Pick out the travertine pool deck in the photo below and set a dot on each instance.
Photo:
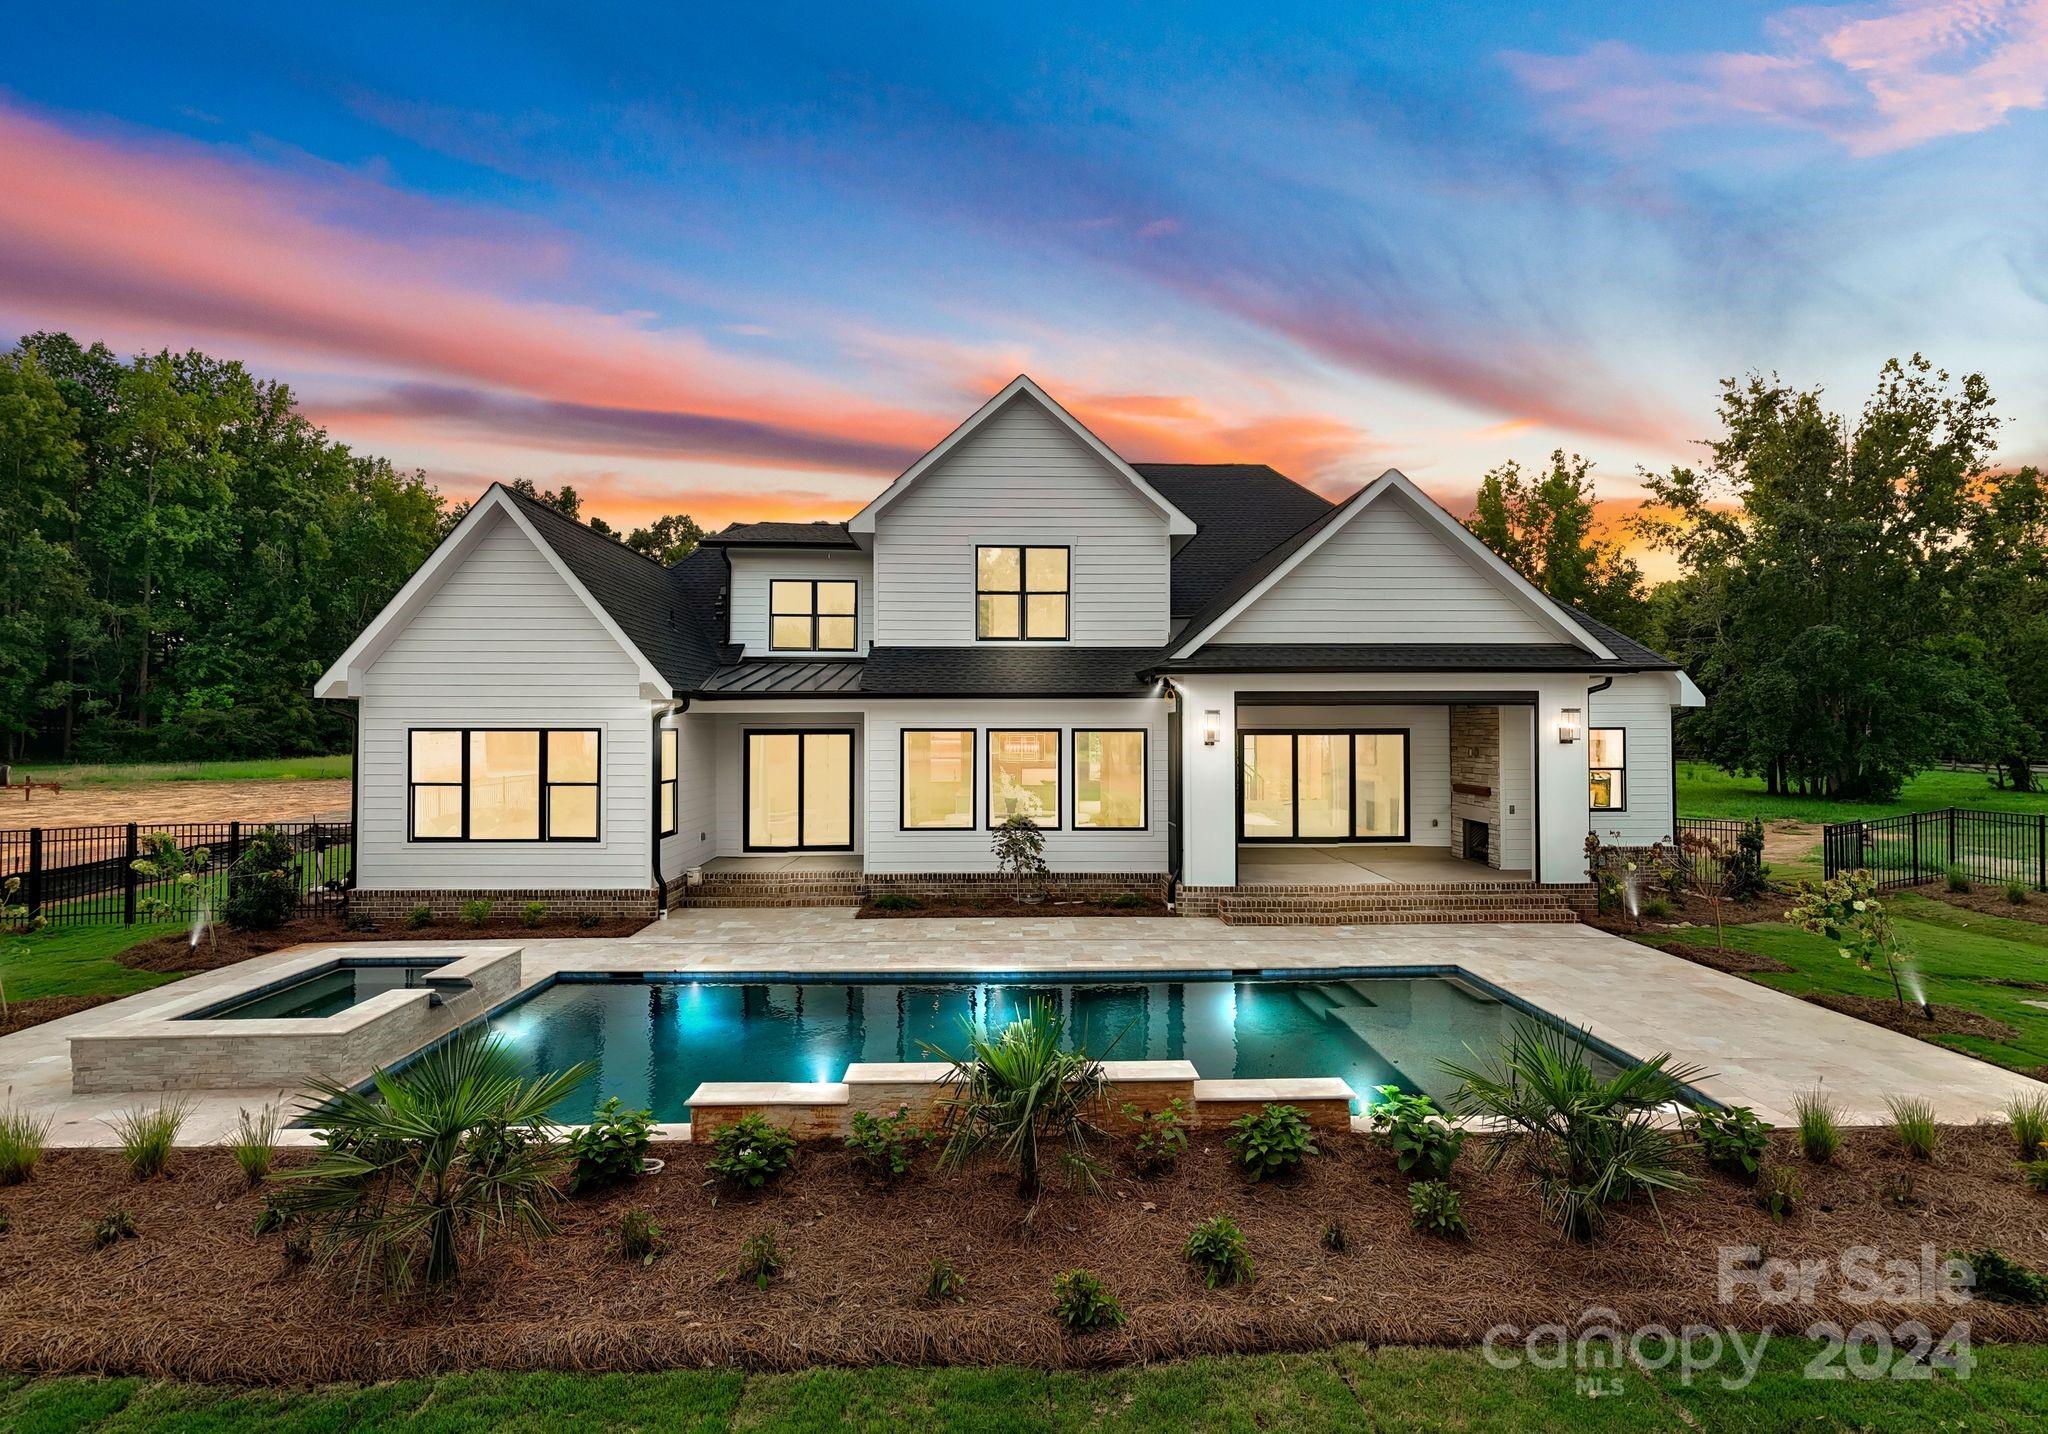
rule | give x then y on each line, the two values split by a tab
1760	1046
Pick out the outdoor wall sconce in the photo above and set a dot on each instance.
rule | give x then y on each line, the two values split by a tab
1212	727
1569	724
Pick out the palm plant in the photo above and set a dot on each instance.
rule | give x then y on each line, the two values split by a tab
1018	1089
456	1149
1592	1142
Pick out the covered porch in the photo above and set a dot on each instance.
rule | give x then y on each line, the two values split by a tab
1265	865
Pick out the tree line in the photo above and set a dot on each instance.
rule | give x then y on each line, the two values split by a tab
1865	595
183	552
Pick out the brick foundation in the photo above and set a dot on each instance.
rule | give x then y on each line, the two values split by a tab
641	902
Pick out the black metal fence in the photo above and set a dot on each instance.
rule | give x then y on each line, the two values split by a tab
89	876
1996	848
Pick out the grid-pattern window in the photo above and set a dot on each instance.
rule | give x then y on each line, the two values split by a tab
813	615
1024	777
1607	761
1109	780
1020	594
938	780
666	804
503	784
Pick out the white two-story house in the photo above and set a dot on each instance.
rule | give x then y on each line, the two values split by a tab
1201	679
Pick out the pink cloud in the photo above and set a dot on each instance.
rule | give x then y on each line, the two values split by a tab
1872	78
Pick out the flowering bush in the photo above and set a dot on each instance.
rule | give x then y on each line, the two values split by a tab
1846	911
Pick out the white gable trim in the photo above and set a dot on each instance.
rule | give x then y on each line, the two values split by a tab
1178	524
1431	512
344	678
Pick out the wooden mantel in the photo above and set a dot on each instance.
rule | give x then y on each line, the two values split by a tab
1471	789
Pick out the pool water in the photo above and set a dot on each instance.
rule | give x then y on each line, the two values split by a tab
654	1042
324	993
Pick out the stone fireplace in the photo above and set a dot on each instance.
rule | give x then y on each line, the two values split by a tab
1475	783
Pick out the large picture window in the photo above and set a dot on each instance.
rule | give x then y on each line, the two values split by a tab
503	784
813	615
1024	776
1323	786
1109	780
666	802
1607	760
1020	594
938	780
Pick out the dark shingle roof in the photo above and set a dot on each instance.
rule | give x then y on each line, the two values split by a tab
784	535
1241	509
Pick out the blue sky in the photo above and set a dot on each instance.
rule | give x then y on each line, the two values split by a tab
749	266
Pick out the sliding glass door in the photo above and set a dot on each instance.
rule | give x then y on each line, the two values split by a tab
799	791
1323	786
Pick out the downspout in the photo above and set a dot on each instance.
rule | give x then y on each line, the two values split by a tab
1603	685
355	823
1173	837
654	798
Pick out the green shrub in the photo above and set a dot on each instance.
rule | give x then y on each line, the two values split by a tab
1913	1123
418	917
532	914
942	1281
1657	909
2016	893
750	1152
1958	880
639	1237
1081	1302
887	1144
1162	1137
897	901
358	921
2035	1173
2028	1116
21	1144
1820	1132
1273	1140
1732	1140
609	1150
1333	1237
111	1228
1435	1208
271	1217
255	1142
262	885
148	1136
474	913
1592	1142
1218	1249
1778	1191
761	1259
2002	1281
1129	901
589	921
1425	1146
1747	875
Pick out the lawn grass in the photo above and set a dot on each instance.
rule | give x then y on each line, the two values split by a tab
1346	1388
1956	953
256	769
1708	791
76	961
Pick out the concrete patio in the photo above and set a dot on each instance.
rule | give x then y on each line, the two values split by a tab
1761	1047
1361	866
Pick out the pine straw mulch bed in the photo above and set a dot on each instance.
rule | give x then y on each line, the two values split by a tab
1010	906
196	1296
1947	1021
1990	901
223	946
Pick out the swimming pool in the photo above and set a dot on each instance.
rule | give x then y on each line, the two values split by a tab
324	992
654	1040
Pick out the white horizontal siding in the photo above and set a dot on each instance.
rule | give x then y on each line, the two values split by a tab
752	572
1021	478
505	643
1640	703
696	837
1429	755
1386	576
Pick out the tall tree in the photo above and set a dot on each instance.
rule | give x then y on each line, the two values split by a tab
1542	525
2003	581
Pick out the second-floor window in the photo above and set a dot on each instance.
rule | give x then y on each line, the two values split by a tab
811	615
1020	594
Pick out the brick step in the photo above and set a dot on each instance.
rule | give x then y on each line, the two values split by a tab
1527	917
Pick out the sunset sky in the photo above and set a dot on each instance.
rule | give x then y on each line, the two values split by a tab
750	267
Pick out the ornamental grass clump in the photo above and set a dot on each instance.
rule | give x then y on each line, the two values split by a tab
1082	1302
21	1144
750	1152
1219	1252
1272	1140
1014	1093
451	1154
1820	1128
148	1136
1590	1142
254	1142
2028	1117
1913	1123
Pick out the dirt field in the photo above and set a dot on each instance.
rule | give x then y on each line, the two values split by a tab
176	802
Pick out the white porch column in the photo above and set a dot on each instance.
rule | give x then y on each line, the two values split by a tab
1560	781
1208	802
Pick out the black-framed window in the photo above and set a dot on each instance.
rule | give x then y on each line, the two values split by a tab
1024	775
1110	773
503	783
797	789
937	780
666	803
1607	769
1323	786
1021	593
813	614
